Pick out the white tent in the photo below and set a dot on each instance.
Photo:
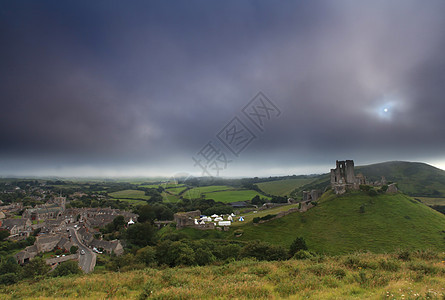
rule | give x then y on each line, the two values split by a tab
218	219
229	218
196	221
232	214
131	222
215	216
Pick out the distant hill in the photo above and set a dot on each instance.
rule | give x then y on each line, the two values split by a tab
414	179
356	221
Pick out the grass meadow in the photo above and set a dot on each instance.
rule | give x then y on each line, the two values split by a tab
283	187
130	194
353	276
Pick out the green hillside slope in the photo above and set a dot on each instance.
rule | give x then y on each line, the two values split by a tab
415	179
338	224
283	187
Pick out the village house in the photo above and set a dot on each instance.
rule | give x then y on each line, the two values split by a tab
17	226
26	255
114	246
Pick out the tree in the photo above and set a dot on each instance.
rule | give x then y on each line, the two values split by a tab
141	234
146	255
146	213
298	244
118	223
67	268
3	234
263	251
73	249
36	267
9	265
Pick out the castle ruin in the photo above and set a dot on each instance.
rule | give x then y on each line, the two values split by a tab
343	177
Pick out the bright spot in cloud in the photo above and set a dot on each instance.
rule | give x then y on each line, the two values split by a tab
385	107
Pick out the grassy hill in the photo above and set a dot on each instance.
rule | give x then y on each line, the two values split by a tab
415	179
356	276
356	221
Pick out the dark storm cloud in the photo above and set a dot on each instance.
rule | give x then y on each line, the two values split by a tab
113	86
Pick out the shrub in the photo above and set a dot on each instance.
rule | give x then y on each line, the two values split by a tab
146	255
9	278
339	273
298	244
365	188
36	267
263	251
228	251
204	256
389	265
404	255
426	254
372	193
354	261
265	218
147	290
73	249
318	269
67	268
303	254
423	268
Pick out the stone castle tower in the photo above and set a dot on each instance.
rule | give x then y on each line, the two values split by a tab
343	173
343	177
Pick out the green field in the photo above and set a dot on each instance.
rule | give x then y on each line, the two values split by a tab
248	217
355	276
432	201
283	187
209	189
149	186
337	225
129	194
169	197
176	190
233	195
222	193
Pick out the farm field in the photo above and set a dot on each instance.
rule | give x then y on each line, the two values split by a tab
129	194
283	187
233	195
172	198
211	188
149	186
176	190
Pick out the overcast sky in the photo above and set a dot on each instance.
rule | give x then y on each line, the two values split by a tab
131	88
